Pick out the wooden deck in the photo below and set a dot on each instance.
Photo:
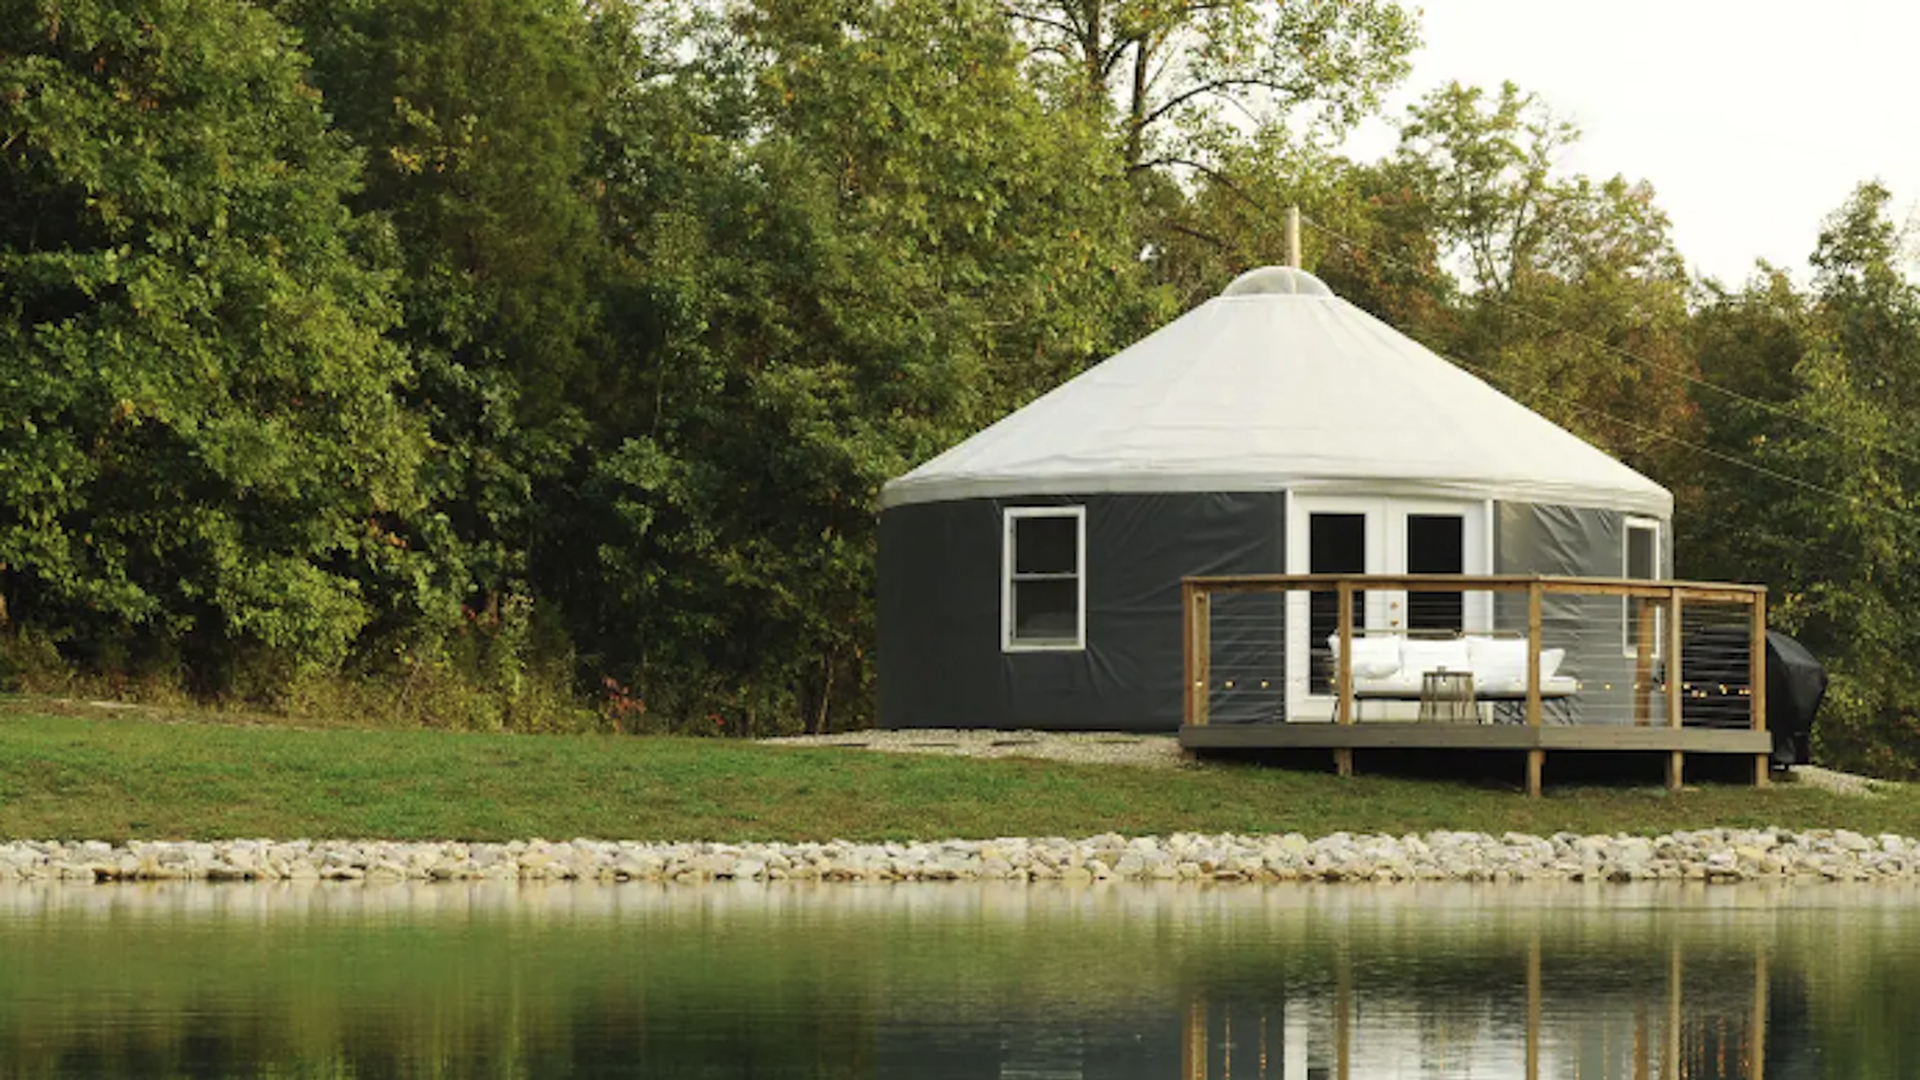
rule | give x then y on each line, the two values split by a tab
1348	741
1650	713
1402	736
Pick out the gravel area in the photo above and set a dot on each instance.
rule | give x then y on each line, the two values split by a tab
1838	782
1093	747
1155	751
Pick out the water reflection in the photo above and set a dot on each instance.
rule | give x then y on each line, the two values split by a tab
952	982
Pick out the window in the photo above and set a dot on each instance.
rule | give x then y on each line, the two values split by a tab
1436	544
1043	602
1640	561
1336	544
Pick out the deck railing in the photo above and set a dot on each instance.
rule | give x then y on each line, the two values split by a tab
1640	653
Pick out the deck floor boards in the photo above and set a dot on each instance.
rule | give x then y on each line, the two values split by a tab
1431	736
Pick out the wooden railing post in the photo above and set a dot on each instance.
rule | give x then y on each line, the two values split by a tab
1676	764
1757	678
1536	758
1187	605
1343	670
1643	663
1535	622
1200	685
1343	674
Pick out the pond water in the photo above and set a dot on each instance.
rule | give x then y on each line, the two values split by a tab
957	982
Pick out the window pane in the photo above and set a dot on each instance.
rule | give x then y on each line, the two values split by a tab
1336	544
1436	544
1640	553
1642	564
1046	610
1046	545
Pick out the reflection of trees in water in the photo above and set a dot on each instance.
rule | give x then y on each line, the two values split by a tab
976	983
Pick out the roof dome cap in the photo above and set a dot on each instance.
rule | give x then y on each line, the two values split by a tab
1277	281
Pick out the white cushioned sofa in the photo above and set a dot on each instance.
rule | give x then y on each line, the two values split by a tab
1390	665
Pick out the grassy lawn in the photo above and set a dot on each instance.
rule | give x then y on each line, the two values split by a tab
129	775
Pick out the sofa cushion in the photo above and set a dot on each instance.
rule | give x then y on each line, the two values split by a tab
1402	683
1550	662
1373	657
1420	655
1498	661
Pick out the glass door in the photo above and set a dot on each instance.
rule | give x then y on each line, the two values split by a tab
1336	535
1337	543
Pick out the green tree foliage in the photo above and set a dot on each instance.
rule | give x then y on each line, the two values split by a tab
1367	234
1182	76
1826	394
478	118
1573	297
857	235
201	446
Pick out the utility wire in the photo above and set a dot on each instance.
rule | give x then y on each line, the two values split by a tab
1625	354
1539	391
1720	455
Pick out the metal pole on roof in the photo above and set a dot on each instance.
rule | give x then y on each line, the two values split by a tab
1293	238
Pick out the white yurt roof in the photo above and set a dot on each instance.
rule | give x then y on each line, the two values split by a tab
1277	384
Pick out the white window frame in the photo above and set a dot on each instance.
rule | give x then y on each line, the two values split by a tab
1012	515
1629	647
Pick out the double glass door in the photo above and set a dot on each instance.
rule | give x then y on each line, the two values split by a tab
1376	536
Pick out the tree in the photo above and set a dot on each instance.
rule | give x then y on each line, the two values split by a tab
1574	297
1857	579
202	451
479	119
1813	485
1174	71
855	234
1366	234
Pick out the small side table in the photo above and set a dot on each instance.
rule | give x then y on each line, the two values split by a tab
1446	697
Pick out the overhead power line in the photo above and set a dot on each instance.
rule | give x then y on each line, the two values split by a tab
1539	392
1625	354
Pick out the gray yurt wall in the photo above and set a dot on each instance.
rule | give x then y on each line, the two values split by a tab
1570	541
942	658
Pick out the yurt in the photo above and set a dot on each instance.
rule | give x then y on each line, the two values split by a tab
1030	576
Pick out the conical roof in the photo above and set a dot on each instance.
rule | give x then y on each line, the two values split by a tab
1277	384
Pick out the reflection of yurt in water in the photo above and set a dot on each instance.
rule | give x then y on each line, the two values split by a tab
1030	576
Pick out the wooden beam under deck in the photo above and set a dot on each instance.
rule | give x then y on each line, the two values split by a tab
1408	736
1345	740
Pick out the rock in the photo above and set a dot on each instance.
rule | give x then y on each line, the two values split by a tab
1713	855
1851	841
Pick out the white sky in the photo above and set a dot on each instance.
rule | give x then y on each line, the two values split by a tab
1752	119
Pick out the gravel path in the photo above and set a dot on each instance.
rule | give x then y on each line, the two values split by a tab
1840	783
1154	751
1094	747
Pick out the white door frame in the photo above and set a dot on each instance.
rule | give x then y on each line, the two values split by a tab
1386	553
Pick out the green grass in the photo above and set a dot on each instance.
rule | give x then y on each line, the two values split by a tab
131	775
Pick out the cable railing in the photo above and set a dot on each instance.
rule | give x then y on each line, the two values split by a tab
1604	662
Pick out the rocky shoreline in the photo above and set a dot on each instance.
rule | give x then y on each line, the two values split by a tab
1711	855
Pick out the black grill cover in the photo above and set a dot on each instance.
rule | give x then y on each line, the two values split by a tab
1795	684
